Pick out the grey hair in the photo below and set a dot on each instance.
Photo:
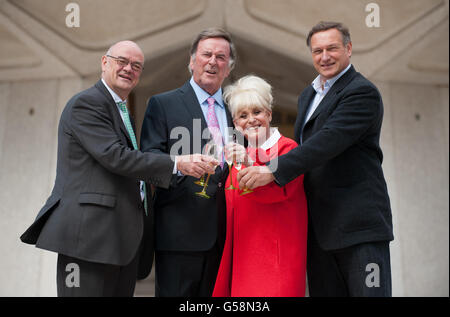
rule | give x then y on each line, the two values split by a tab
324	25
213	32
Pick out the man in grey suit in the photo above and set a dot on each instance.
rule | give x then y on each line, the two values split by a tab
94	217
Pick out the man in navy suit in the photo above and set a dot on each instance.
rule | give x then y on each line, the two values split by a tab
338	129
190	230
94	218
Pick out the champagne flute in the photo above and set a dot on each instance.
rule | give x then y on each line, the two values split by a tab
210	149
229	161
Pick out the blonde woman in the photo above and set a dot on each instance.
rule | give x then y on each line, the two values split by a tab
265	248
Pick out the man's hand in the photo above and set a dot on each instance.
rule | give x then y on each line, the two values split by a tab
237	153
196	165
254	176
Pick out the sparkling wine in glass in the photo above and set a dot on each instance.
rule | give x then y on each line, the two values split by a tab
210	149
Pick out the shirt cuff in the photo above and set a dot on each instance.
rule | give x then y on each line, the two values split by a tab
175	165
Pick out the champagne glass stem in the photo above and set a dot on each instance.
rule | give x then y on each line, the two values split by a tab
231	178
206	184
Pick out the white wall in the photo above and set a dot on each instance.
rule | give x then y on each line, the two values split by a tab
415	146
28	163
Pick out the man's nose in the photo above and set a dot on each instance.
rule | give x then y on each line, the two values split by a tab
212	60
325	55
128	68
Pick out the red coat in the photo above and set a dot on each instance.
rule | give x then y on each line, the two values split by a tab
265	248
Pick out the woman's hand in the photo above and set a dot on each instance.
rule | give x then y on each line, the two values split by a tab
237	153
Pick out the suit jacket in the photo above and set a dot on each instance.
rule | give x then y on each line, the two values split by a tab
183	221
348	202
95	212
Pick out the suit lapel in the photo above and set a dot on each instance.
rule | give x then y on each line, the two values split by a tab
230	123
303	106
191	103
114	111
229	117
334	90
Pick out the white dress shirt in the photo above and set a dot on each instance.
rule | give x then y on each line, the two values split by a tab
321	91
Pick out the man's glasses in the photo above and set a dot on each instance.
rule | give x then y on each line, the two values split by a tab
123	62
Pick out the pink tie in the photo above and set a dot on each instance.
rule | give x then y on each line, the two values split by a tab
213	125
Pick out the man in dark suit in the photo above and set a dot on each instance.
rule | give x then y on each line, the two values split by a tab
338	128
190	230
95	215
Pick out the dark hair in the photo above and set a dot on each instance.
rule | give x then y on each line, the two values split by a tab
213	33
324	25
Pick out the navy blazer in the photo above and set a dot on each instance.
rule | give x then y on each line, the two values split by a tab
340	156
95	212
183	221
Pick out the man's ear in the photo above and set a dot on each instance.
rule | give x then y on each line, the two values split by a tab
349	49
104	61
191	63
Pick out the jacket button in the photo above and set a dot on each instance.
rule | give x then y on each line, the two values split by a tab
219	184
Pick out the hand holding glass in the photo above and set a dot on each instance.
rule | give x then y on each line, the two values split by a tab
210	149
245	190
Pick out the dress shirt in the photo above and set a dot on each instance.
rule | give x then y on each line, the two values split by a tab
321	92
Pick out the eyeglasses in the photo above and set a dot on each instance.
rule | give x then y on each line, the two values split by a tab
123	62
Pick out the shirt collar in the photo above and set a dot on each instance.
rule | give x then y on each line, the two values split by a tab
113	94
330	82
203	95
272	140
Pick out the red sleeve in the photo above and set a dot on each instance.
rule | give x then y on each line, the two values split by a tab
272	193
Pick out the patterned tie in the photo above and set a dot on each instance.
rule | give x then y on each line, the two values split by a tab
126	118
214	127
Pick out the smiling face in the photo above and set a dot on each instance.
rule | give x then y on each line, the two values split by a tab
210	65
254	124
330	55
122	79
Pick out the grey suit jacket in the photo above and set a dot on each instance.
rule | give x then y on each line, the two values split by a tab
95	211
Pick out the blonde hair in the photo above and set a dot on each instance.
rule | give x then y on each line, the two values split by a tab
248	91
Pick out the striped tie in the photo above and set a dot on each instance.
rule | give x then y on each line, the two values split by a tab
126	119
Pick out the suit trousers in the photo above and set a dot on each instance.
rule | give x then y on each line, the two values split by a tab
79	278
187	274
362	270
